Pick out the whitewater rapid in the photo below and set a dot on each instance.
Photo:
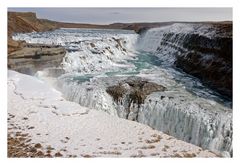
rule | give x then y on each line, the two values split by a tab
97	59
89	50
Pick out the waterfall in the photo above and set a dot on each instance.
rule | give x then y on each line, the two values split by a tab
89	50
201	50
97	59
176	112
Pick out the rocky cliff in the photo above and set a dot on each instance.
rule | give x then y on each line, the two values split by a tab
28	22
28	58
203	50
34	57
25	23
210	58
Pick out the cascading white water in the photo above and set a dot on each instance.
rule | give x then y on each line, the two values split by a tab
176	112
195	121
168	41
152	38
89	50
94	55
88	95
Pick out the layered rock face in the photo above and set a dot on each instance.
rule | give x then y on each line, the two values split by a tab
28	58
14	45
202	50
28	22
25	22
34	57
210	58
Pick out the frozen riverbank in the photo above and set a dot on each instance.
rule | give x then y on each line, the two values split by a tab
49	126
174	111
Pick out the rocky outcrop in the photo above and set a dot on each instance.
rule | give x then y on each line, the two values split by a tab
133	91
26	22
28	58
33	57
213	69
209	59
14	45
203	50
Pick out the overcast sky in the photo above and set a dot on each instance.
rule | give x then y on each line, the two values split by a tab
124	15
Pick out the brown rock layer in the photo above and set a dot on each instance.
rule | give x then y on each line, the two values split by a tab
28	58
33	57
27	22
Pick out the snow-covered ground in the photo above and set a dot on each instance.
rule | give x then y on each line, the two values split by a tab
175	111
59	126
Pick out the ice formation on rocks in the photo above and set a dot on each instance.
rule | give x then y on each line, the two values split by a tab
97	59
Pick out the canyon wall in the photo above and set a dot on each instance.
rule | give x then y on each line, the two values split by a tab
202	50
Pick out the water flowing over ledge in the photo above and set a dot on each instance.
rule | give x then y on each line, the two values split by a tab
175	111
202	50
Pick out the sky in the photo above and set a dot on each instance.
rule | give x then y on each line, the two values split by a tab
129	15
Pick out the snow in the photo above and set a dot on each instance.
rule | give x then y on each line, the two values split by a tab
176	111
75	130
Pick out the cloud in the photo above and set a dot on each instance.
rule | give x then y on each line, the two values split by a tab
111	15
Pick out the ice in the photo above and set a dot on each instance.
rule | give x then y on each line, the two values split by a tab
78	131
176	112
168	41
89	51
94	53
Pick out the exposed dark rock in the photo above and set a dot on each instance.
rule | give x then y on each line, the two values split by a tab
92	45
209	59
116	92
133	91
140	89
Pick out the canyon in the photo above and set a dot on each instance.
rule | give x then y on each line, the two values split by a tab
175	77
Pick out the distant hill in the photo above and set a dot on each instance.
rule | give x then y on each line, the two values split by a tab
23	22
28	22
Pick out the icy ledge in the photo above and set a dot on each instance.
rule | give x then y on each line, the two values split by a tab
176	111
52	126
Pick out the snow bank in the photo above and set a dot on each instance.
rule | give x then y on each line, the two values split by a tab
71	130
176	111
